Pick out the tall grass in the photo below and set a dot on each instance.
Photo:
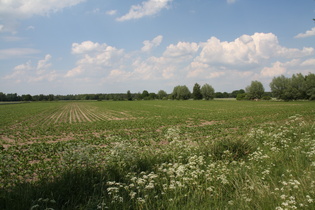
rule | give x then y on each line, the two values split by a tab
270	167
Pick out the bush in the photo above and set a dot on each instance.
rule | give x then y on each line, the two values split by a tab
241	96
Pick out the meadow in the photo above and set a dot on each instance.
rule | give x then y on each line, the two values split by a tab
157	155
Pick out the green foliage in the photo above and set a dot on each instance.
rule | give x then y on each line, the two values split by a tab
152	96
181	93
145	95
162	94
266	97
129	96
221	95
27	97
207	92
236	92
241	96
255	90
295	88
231	149
196	94
310	86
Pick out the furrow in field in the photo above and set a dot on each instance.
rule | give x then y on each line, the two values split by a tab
77	115
102	116
97	117
65	116
87	113
49	118
74	116
106	116
61	113
92	115
70	115
84	115
43	117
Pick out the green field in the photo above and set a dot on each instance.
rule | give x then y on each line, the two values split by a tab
217	154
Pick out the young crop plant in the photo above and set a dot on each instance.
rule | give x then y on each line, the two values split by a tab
157	155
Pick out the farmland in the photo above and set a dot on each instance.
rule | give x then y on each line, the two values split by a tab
157	155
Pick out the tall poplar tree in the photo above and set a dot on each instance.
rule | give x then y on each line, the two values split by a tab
197	92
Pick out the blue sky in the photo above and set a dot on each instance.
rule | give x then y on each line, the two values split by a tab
97	46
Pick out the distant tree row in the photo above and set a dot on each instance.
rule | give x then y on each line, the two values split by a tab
183	93
51	97
298	87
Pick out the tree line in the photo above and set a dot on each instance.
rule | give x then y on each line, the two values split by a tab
297	87
145	95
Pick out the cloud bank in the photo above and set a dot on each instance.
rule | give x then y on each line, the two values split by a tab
219	63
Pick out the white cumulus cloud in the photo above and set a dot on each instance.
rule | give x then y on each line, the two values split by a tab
148	45
247	50
86	46
306	34
181	49
95	59
109	56
11	11
28	8
147	8
309	62
33	73
74	72
220	63
43	64
276	70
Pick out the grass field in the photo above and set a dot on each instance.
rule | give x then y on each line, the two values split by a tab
220	154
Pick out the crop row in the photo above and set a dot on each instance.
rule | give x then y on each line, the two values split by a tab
190	164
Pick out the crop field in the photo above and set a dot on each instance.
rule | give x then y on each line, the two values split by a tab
220	154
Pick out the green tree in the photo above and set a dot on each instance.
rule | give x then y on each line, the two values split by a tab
279	86
145	95
12	97
162	94
196	94
3	96
225	95
241	96
152	96
293	88
129	96
297	86
27	97
310	86
181	93
236	92
218	95
255	90
207	91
